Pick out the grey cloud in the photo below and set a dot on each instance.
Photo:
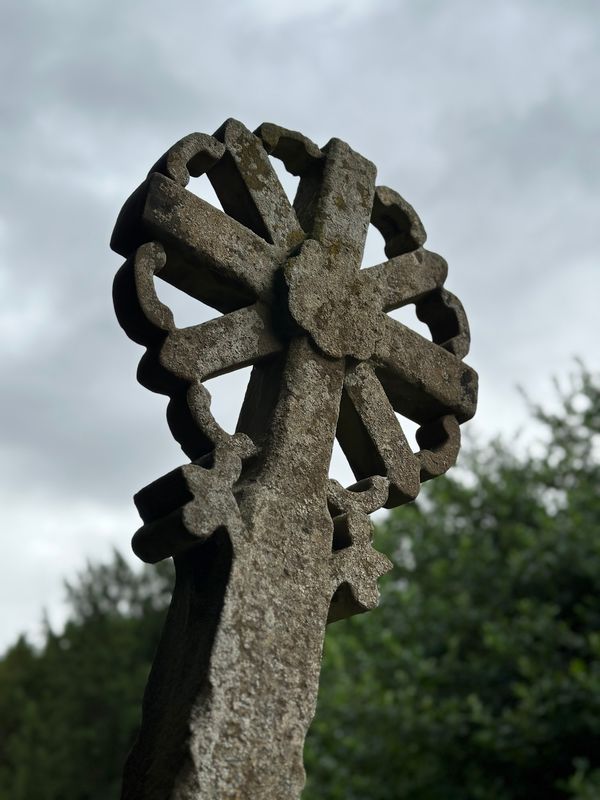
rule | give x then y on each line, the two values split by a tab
479	113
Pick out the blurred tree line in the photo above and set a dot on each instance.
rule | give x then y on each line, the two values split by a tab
478	678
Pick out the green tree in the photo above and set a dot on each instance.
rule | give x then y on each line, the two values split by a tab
479	676
69	710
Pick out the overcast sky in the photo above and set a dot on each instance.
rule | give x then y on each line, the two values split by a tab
484	115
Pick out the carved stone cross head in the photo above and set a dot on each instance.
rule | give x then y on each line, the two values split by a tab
267	548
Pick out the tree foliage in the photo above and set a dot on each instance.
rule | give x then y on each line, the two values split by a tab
478	678
69	710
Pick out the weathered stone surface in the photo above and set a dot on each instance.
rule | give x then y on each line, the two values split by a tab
267	548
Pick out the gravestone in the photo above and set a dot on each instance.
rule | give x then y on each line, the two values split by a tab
267	548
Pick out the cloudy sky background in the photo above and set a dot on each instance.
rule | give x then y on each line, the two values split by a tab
483	115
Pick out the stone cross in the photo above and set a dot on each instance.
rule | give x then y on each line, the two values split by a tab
267	548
